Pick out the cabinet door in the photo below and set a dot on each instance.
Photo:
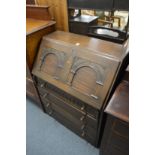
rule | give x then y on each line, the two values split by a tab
92	74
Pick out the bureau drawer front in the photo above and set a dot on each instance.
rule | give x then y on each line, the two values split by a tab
67	98
70	121
70	125
79	115
47	107
51	106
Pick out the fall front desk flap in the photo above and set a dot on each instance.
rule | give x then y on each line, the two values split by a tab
83	67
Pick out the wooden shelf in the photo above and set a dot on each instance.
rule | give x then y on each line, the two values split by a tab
34	25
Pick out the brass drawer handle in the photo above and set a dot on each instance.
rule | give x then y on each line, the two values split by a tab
82	127
83	107
47	104
83	134
94	96
82	118
51	112
55	77
42	85
45	95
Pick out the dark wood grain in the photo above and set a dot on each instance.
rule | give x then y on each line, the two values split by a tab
119	103
115	138
74	76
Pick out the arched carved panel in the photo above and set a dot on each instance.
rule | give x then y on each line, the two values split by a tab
87	77
50	64
79	63
60	56
51	61
82	83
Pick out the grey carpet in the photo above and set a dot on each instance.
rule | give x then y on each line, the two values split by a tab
45	136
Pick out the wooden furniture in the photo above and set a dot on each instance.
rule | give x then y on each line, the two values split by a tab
81	24
104	5
35	30
74	75
115	139
107	5
121	5
109	34
58	10
30	88
87	4
30	1
38	12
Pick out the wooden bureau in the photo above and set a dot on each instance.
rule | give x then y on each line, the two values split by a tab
115	139
74	75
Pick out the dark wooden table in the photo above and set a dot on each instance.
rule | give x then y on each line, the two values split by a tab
81	24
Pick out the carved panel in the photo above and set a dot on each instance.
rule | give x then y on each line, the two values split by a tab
53	60
79	63
60	56
81	70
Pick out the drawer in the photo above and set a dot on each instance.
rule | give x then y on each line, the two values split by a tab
47	107
69	99
70	125
112	151
81	117
120	143
121	128
82	125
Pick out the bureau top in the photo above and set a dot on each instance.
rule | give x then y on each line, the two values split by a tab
108	48
81	66
34	25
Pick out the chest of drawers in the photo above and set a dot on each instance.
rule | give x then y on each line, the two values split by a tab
115	139
74	75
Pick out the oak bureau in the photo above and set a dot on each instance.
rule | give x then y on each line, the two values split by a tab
74	75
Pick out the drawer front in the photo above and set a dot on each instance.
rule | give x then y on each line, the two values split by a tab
81	116
120	143
70	125
121	128
69	99
112	151
114	139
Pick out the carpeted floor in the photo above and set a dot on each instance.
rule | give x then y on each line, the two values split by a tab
45	136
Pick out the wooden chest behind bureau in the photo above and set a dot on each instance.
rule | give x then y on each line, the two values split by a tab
74	76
